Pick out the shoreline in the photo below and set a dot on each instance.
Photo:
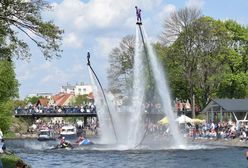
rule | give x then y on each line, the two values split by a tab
220	142
198	141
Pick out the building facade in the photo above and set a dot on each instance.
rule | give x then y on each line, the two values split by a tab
78	89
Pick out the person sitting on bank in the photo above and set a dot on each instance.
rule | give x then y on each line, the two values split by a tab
20	164
1	134
2	146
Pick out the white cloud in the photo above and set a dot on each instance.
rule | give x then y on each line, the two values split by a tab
45	65
98	13
67	9
72	40
107	44
195	3
169	8
95	13
55	75
25	75
78	68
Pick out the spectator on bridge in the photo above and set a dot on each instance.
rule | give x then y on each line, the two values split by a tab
93	108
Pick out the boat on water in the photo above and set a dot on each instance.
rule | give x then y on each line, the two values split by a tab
69	132
46	135
66	146
85	142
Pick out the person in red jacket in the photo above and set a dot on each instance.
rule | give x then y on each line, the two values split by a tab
80	139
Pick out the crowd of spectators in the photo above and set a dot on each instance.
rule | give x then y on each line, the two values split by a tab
56	125
89	108
223	130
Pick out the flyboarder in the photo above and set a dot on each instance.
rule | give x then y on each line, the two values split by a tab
88	58
138	14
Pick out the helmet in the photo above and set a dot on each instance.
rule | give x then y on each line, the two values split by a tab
63	137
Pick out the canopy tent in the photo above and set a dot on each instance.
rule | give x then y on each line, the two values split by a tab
197	121
163	121
184	119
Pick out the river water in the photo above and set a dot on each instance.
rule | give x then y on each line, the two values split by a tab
39	155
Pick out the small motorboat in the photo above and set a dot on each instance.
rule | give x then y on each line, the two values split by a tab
85	142
69	132
46	135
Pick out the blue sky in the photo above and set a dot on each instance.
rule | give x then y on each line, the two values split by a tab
99	26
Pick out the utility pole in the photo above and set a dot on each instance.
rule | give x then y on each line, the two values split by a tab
193	106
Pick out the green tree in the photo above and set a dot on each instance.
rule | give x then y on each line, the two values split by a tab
19	103
234	82
208	58
196	59
121	66
25	16
6	115
33	99
80	100
177	32
210	38
178	22
19	16
8	83
8	91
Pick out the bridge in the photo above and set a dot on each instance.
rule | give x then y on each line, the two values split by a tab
39	115
55	112
70	112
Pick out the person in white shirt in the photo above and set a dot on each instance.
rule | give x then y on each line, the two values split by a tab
1	135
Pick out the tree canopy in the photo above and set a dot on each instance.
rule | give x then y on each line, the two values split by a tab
208	59
8	91
80	100
19	16
121	65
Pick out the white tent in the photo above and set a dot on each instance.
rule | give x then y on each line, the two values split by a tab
184	119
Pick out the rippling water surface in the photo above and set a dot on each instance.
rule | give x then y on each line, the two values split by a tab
39	155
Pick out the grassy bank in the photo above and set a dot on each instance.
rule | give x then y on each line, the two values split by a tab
9	160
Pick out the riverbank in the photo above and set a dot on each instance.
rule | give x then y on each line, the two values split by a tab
217	142
221	142
9	160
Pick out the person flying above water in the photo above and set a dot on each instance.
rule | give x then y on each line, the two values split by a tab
88	58
138	14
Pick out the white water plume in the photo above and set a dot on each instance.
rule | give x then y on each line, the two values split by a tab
164	93
129	122
136	123
105	124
